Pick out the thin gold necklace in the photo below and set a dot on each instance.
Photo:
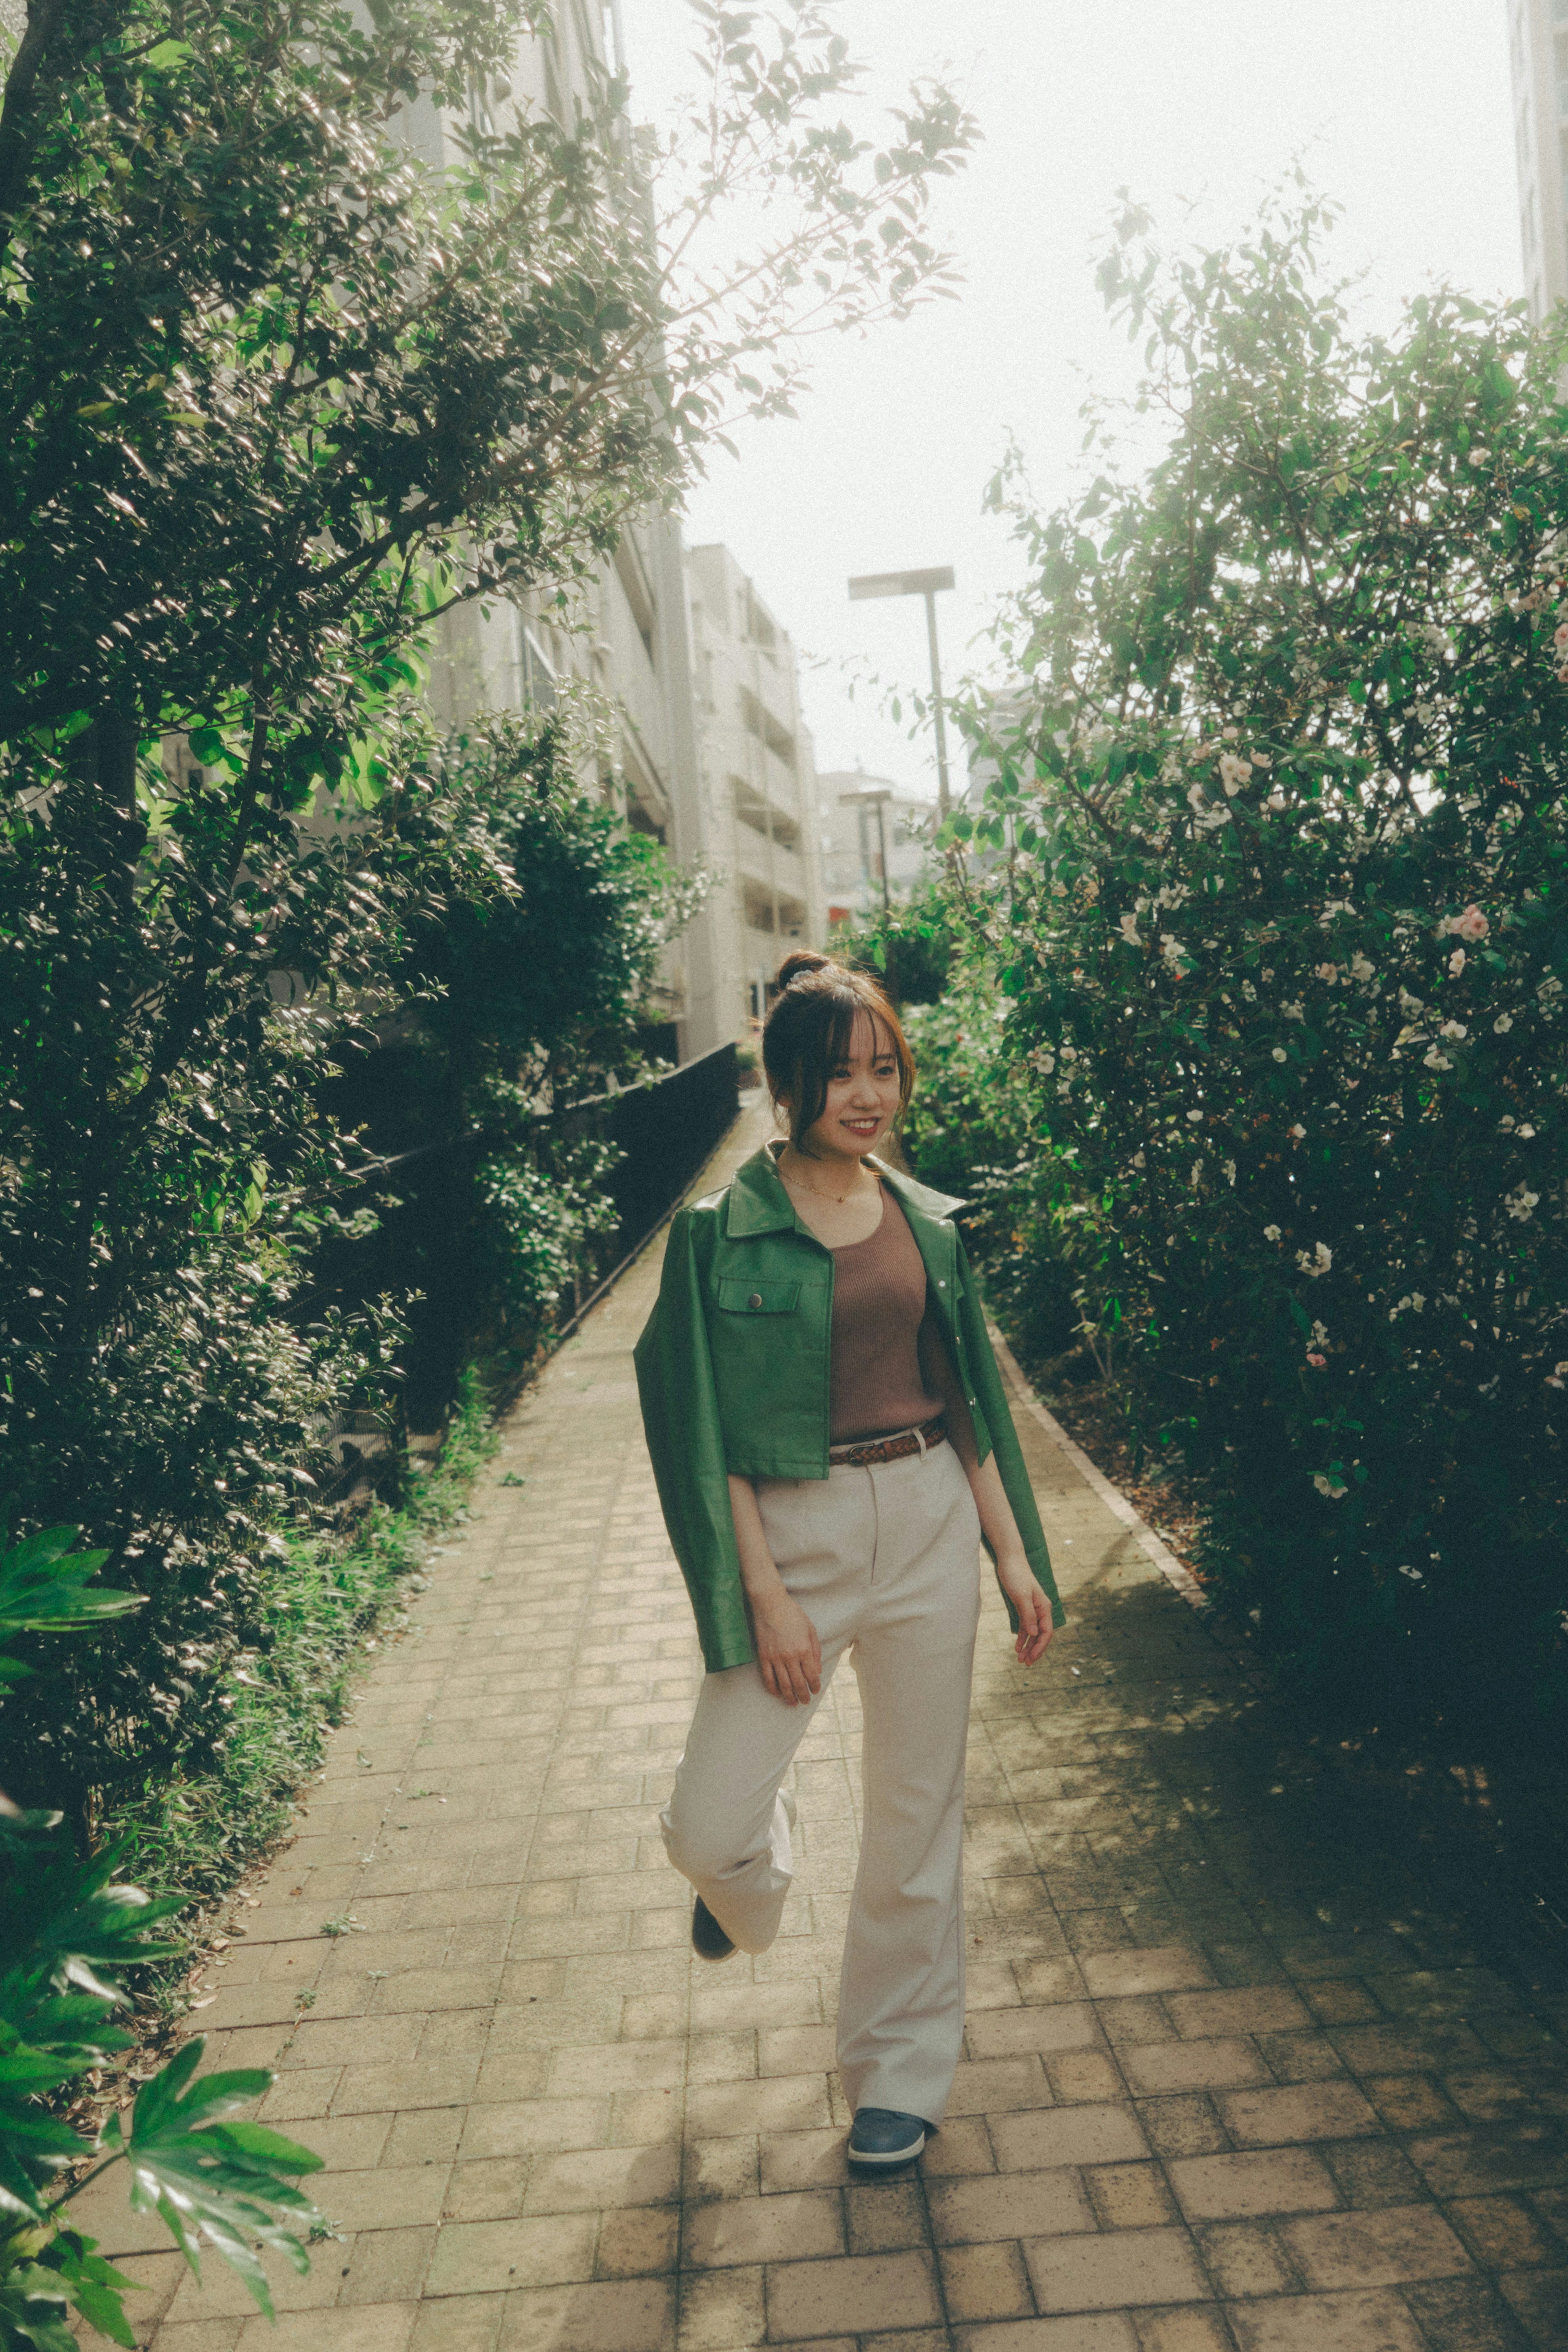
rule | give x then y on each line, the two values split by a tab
796	1185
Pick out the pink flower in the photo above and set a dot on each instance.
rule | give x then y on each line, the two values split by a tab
1473	924
1316	1361
1560	636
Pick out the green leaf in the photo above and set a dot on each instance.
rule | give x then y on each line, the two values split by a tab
227	2184
41	1582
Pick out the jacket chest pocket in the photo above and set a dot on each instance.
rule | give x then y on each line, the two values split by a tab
741	1297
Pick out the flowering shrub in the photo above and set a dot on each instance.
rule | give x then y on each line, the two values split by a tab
1277	896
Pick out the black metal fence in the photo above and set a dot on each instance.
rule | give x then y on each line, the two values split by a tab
666	1128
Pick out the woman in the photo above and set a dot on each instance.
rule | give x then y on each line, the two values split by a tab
832	1443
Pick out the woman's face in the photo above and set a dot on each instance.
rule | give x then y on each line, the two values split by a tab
863	1095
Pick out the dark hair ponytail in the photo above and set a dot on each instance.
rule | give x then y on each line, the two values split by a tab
807	1032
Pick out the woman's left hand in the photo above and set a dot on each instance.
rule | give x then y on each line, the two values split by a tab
1023	1587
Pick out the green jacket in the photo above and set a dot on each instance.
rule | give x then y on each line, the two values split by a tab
733	1368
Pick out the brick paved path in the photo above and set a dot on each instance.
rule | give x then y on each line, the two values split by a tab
1233	2078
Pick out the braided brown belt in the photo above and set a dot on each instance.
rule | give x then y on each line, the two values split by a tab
889	1449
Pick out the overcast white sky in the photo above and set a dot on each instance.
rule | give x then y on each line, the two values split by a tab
1401	109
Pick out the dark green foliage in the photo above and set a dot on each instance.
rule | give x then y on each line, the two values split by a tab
1278	918
159	1212
67	1928
529	999
911	946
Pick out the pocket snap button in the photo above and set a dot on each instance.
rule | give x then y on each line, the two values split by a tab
754	1299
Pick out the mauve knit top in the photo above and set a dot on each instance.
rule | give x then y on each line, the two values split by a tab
879	1307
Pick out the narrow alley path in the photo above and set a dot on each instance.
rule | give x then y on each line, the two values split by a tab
1234	2077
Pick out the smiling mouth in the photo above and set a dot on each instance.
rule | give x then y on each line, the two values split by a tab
862	1126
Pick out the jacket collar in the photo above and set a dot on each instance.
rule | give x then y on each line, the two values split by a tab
759	1203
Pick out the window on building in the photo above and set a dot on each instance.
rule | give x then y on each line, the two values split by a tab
757	902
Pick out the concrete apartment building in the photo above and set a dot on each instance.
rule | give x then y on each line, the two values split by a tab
757	794
709	753
855	821
1538	55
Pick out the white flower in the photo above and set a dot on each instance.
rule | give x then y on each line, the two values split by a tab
1262	759
1331	1486
1506	1121
1502	1024
1409	1005
1128	927
1320	1335
1316	1263
1436	1061
1525	1133
1298	1133
1473	924
1413	1573
1452	1029
1233	772
1329	972
1196	795
1480	457
1171	947
1044	1060
1417	1300
1194	1118
1361	969
1249	992
1293	1011
1281	1054
1271	1233
1456	964
1140	1159
1229	1168
1520	1202
1230	734
1554	1377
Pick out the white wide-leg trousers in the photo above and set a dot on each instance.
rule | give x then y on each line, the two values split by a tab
886	1562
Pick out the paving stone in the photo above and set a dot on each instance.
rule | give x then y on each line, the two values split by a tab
1190	2329
763	2229
1116	2271
1278	2180
721	2311
1017	2205
1193	2065
985	2281
1318	2111
636	2316
871	2292
1103	2332
1326	2322
1539	2301
1338	2250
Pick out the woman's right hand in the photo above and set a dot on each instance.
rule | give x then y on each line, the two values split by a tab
789	1655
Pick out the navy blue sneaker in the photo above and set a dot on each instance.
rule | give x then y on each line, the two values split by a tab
709	1941
882	2138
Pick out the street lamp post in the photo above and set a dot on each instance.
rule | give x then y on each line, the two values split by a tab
930	585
